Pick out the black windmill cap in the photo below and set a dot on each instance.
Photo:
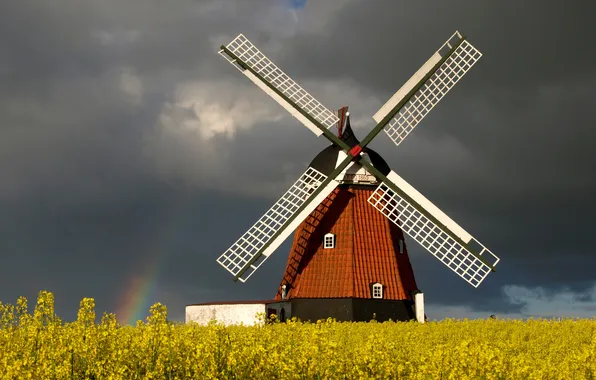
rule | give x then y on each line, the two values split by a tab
326	160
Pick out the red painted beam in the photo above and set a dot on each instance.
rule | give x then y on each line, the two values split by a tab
355	150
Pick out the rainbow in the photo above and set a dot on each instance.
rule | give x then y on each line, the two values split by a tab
142	285
140	290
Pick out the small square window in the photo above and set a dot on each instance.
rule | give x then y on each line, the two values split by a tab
329	241
377	290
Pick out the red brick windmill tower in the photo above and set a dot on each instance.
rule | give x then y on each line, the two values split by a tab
348	209
347	260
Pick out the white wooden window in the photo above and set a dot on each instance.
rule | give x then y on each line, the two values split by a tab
377	290
329	241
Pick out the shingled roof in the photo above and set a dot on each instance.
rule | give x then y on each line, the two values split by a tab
366	251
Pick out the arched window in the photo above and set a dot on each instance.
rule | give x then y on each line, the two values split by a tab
284	291
329	241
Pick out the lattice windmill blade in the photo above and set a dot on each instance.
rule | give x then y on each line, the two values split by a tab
414	100
433	229
283	89
249	252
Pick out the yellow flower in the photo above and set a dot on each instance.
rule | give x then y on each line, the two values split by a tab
40	345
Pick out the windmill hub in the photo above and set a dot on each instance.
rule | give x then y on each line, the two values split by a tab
331	157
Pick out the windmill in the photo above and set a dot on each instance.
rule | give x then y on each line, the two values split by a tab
350	186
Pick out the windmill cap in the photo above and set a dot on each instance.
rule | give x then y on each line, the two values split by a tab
326	161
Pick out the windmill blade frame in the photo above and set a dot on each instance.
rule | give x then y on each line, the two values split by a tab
245	56
423	91
251	250
433	229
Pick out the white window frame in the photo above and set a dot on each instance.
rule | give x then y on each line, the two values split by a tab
329	241
377	290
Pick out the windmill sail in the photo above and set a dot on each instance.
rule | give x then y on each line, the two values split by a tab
433	229
430	84
283	89
249	252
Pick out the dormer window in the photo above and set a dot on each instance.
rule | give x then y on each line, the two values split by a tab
377	290
329	241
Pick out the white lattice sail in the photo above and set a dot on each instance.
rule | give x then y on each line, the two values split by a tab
432	237
432	90
248	253
257	61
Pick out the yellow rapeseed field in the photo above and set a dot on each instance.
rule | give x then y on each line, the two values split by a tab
41	346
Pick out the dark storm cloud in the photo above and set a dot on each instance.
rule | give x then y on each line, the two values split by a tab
507	153
382	44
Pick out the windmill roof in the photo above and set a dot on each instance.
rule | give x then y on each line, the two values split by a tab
366	251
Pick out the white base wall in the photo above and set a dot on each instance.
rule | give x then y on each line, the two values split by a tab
419	305
231	314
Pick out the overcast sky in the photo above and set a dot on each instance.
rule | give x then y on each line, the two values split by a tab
132	155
